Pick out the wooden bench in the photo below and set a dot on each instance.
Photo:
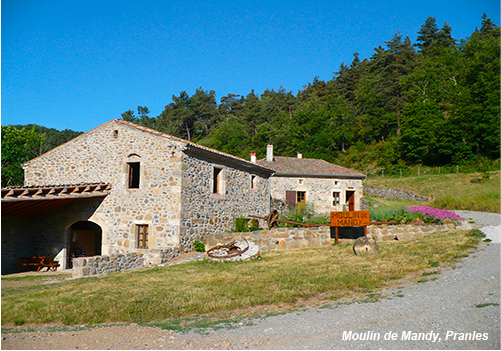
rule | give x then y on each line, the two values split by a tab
39	261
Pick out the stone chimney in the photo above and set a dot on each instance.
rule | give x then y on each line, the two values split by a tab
299	155
253	156
269	153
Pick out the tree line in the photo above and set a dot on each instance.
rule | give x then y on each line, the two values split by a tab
433	102
21	143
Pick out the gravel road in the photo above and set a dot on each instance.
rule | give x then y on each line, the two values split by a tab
458	310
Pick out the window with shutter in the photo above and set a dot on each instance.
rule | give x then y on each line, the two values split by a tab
301	197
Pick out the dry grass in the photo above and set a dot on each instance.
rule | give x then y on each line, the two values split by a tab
205	288
452	191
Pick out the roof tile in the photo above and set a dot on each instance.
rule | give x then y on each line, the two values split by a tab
307	167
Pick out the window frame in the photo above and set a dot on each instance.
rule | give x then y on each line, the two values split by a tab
142	243
253	182
336	198
300	197
134	175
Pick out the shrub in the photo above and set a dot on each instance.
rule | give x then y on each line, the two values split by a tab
435	215
303	213
241	224
199	247
399	214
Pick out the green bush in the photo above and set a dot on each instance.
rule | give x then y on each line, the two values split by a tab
303	213
241	224
399	214
199	247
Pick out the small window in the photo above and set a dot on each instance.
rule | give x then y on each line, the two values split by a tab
301	197
336	198
300	181
253	183
142	236
336	182
134	175
216	188
115	134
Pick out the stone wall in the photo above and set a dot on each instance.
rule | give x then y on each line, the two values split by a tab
405	231
96	265
204	211
276	238
390	193
319	191
296	238
102	155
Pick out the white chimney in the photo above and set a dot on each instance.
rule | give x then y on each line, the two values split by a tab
299	155
269	153
253	156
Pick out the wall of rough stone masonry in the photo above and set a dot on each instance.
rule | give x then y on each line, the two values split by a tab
204	212
101	155
405	231
98	265
319	191
299	237
391	193
277	238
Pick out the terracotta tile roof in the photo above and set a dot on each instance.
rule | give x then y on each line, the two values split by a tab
308	167
35	200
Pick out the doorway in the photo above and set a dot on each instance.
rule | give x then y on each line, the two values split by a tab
350	200
85	240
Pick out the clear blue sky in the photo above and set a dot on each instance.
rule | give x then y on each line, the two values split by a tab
75	64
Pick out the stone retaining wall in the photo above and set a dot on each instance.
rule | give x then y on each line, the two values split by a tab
296	238
96	265
391	193
405	231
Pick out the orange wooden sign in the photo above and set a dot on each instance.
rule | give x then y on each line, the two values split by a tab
350	219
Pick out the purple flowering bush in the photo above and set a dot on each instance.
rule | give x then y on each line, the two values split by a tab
435	215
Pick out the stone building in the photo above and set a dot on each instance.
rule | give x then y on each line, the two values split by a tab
298	180
122	188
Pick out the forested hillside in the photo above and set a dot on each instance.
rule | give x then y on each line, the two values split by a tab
432	102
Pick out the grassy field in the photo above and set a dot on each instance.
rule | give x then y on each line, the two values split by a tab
451	191
276	282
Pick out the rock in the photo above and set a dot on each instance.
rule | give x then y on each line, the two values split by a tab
364	245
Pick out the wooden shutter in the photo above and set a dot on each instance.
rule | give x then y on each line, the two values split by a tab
351	200
290	198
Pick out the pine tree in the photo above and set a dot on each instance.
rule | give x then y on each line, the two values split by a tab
428	35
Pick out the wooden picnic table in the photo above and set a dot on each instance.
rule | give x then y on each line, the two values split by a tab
40	262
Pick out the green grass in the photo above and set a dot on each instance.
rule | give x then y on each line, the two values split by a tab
451	191
278	281
487	304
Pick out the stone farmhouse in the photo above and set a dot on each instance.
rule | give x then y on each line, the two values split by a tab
122	188
298	180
